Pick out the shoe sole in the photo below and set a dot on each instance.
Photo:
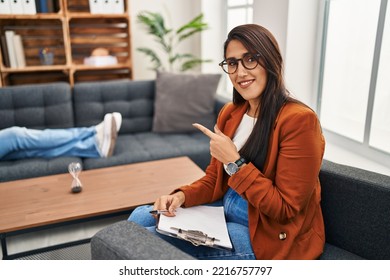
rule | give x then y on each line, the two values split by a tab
118	120
113	137
107	128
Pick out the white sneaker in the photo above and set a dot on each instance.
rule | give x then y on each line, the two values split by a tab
107	133
100	133
118	120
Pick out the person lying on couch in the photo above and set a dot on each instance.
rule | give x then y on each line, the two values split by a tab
89	142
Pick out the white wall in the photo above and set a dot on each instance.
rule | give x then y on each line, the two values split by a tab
294	24
302	52
212	39
273	15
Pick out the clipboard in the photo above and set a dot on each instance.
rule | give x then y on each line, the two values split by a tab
199	225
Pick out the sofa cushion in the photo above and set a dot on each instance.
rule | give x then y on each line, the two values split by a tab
34	167
133	99
142	245
147	146
335	253
36	106
182	99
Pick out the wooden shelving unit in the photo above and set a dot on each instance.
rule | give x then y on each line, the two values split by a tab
71	34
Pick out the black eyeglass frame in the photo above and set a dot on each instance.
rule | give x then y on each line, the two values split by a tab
224	62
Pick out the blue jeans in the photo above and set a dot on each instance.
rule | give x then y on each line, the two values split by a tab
236	213
20	142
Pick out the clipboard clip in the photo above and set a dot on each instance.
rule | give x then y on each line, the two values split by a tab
196	237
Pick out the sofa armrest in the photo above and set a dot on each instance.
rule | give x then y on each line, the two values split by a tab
355	205
129	241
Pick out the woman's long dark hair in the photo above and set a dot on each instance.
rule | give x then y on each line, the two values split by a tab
258	40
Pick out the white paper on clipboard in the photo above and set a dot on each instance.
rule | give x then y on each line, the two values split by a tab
208	219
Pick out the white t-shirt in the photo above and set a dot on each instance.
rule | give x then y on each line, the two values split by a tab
243	131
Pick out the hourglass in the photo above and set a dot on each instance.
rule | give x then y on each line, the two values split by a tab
74	170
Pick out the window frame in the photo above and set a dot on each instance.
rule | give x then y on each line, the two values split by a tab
364	148
245	6
226	91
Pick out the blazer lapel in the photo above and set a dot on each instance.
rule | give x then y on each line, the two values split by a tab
234	120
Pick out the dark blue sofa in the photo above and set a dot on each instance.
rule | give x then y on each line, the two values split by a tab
57	105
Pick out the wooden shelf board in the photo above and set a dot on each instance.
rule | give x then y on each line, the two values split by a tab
35	68
32	17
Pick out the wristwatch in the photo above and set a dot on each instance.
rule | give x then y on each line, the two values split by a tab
233	167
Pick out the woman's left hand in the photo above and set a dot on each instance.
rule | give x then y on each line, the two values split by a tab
221	146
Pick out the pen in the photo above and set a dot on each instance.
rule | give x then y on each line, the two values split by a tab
158	211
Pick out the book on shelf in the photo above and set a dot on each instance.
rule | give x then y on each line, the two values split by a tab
16	6
50	6
4	52
96	6
19	51
106	6
9	36
47	6
57	6
117	7
5	7
29	7
15	50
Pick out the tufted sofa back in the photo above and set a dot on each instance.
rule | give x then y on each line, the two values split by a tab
133	99
36	106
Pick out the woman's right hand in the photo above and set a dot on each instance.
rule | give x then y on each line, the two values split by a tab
170	203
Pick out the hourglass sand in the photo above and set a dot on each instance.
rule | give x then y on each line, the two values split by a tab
74	170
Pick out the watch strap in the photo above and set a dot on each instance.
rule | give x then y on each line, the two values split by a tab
240	161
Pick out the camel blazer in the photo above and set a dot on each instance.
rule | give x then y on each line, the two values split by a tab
284	214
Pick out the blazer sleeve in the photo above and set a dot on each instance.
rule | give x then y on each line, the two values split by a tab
298	157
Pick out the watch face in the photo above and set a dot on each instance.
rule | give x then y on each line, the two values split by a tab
232	168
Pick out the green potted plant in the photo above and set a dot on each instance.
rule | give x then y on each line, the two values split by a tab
168	39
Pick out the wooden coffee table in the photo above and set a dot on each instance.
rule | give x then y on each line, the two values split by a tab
32	204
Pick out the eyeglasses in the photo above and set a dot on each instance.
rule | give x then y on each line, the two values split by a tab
249	61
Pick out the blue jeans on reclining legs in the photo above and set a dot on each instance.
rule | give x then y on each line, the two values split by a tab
20	142
236	213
